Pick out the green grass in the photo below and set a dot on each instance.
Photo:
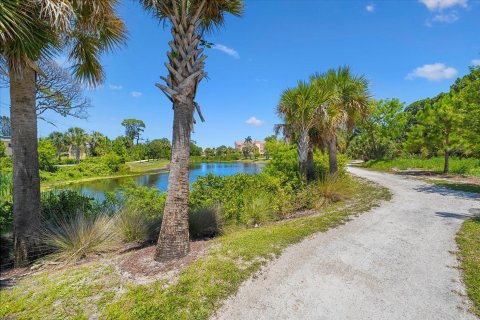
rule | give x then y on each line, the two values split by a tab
468	166
200	288
468	240
138	167
468	187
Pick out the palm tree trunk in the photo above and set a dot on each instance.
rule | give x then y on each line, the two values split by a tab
173	242
310	166
447	154
59	154
302	150
26	178
77	154
332	155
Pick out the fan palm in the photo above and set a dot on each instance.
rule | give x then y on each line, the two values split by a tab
77	139
348	103
189	20
31	30
58	140
299	108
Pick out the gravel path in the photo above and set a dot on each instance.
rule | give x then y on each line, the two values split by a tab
394	262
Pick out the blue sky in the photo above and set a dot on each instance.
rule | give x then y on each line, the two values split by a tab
408	49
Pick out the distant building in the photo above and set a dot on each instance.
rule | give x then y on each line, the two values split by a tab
258	143
7	141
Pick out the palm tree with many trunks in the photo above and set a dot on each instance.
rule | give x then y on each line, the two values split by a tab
189	21
77	139
30	31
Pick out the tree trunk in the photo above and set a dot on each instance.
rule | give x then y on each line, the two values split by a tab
310	165
302	150
77	154
26	178
447	154
173	242
332	155
59	154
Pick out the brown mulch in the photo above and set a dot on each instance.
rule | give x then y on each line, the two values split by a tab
140	263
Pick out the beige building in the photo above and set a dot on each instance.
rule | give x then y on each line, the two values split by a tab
7	141
258	143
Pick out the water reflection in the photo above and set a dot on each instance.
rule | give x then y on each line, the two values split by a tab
97	188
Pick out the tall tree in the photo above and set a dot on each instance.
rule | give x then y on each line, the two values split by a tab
58	140
300	109
345	106
31	30
133	129
189	20
95	140
77	139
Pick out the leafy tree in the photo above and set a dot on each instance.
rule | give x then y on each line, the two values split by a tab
194	149
189	21
47	154
5	127
439	129
121	145
77	139
133	129
58	141
159	149
31	31
209	152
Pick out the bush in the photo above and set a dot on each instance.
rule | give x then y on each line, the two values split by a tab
321	164
257	211
205	222
148	201
79	237
67	204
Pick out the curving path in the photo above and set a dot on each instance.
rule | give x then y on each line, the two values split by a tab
394	262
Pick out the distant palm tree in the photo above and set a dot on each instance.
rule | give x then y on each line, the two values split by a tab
189	20
94	141
77	139
58	140
32	30
348	103
300	108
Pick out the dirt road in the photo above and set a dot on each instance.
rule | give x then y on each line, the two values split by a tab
394	262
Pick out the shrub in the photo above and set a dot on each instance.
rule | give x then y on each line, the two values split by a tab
133	225
79	237
256	211
148	201
205	222
67	204
321	164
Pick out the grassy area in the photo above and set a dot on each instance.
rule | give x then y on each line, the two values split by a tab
100	291
139	167
467	166
468	187
468	240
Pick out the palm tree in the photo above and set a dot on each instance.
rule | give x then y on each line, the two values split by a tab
77	139
348	103
58	140
299	108
94	141
189	20
32	30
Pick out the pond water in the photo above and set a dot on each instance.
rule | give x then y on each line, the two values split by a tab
97	188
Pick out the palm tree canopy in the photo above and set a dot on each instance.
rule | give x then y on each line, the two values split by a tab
76	136
31	30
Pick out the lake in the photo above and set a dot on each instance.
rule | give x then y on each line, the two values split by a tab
97	188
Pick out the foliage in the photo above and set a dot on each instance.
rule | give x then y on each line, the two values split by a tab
67	204
159	149
133	128
79	237
47	155
149	201
468	240
134	226
6	202
467	166
194	149
459	186
206	222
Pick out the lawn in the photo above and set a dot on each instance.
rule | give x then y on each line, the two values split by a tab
465	166
98	290
468	240
139	167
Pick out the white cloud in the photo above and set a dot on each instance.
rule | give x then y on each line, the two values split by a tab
433	72
476	62
434	5
231	52
136	94
370	8
446	18
115	87
254	121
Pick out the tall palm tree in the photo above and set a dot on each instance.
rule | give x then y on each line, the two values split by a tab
189	20
94	141
299	108
348	103
31	30
77	139
58	140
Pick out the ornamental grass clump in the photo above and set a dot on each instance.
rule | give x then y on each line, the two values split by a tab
70	240
206	222
133	225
